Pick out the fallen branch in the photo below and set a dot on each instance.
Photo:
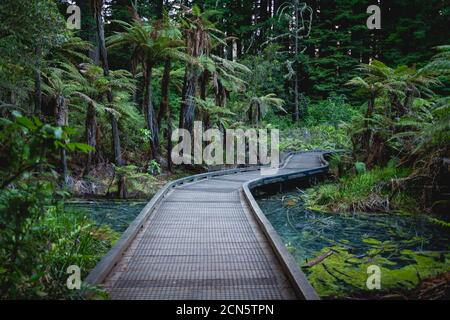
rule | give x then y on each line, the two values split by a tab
318	259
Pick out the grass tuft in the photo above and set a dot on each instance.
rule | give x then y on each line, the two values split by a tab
370	191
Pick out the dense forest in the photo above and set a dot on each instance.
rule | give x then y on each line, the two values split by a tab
90	111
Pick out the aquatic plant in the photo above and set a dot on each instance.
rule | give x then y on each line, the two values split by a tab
344	273
335	250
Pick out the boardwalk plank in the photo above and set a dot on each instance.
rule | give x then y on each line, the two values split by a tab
203	242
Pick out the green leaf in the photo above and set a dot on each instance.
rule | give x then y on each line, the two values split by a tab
26	122
80	146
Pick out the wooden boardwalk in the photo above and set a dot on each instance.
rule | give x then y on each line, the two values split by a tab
203	241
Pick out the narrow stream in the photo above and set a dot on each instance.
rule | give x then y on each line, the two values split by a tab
407	249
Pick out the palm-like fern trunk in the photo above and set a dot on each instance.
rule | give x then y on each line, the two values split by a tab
187	111
150	112
197	44
91	134
165	81
62	119
98	5
367	132
164	110
296	110
37	82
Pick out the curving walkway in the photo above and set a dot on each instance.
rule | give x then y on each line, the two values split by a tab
203	240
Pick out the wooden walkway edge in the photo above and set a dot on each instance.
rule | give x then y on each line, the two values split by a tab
205	237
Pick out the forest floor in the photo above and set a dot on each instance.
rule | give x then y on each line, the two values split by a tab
102	182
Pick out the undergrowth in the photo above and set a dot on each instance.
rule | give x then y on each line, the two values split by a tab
370	191
326	137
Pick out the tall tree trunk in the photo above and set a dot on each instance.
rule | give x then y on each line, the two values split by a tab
263	17
197	44
91	134
187	111
296	96
62	119
203	87
296	111
409	99
367	132
164	110
169	138
98	5
220	95
164	91
37	82
150	112
159	8
94	52
88	26
203	84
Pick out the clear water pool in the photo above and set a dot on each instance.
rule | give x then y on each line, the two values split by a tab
116	214
407	248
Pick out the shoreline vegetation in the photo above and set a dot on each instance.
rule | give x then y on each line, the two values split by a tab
379	190
375	190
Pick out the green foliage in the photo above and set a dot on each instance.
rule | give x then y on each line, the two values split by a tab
266	77
439	222
150	42
360	167
259	107
20	209
369	191
35	260
405	119
27	143
154	167
324	137
29	30
332	111
425	129
218	116
345	274
72	239
239	57
139	181
38	239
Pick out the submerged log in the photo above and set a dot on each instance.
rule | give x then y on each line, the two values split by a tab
318	260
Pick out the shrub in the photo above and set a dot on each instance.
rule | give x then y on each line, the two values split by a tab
332	111
35	265
38	239
319	137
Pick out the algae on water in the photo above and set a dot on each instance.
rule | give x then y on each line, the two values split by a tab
343	273
407	248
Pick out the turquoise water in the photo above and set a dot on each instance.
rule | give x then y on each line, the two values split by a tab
395	242
307	232
116	214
